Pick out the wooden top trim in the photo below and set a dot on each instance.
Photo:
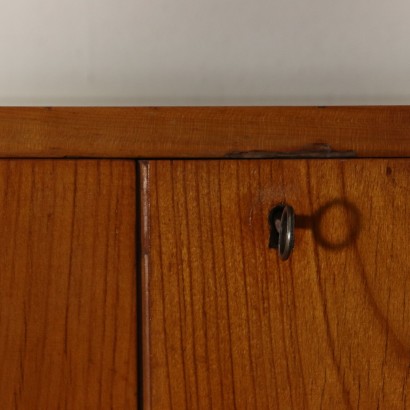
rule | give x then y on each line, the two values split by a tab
205	132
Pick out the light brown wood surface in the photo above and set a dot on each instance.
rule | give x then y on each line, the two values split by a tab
205	132
67	285
229	325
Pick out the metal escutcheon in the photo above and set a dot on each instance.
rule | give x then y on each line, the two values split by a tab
282	220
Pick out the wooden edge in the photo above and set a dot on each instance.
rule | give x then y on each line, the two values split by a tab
144	337
205	132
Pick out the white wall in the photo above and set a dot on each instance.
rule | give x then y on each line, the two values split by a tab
204	52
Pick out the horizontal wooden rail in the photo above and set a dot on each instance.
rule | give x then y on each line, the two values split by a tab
205	132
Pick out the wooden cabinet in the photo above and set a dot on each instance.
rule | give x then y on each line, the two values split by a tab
139	275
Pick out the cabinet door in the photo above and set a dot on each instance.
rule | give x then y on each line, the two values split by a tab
67	284
227	324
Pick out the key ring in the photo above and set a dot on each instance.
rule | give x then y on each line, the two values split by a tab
282	220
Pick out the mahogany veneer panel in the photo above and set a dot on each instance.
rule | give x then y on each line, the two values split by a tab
67	284
205	132
229	325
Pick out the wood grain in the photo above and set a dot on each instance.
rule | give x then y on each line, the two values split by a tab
67	284
205	132
231	326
